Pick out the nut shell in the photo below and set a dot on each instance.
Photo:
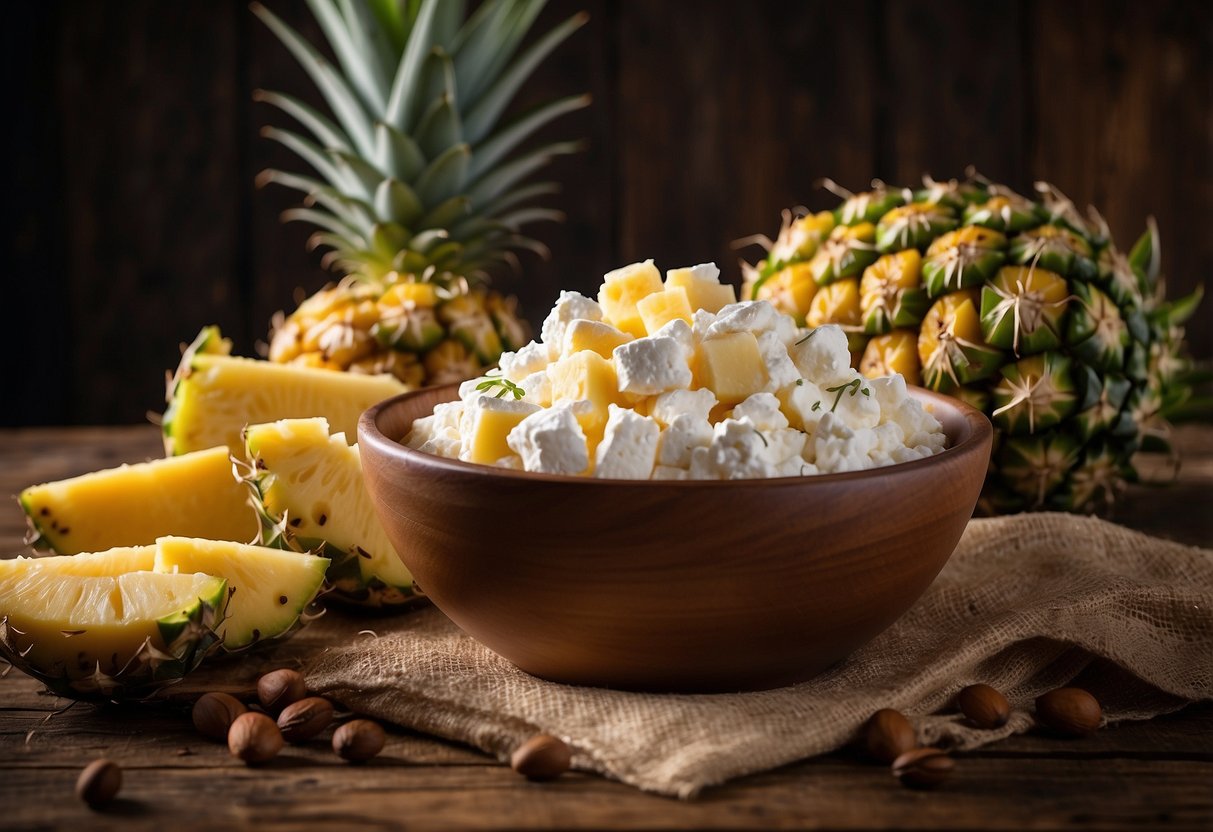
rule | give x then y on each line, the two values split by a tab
1071	712
358	740
254	738
923	768
214	714
888	735
984	706
302	720
99	782
279	688
542	757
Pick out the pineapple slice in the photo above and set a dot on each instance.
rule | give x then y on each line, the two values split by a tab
308	487
215	395
270	588
105	635
195	494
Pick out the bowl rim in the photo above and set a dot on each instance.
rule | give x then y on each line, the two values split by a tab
981	433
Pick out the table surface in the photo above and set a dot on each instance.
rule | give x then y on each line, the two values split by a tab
1152	775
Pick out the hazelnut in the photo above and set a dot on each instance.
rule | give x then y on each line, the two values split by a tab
542	757
279	688
254	738
302	720
1071	712
99	783
984	706
888	734
214	714
358	740
923	768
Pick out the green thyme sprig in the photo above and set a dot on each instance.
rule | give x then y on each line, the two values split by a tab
765	443
853	386
812	332
506	386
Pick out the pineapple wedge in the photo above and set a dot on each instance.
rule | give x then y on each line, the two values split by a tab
106	635
308	487
214	395
195	495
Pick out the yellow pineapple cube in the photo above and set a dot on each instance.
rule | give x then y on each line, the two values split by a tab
659	308
704	291
731	366
406	294
594	336
492	421
622	289
586	376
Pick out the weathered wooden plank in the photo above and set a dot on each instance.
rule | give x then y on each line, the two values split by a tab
952	91
150	176
291	792
726	116
1120	123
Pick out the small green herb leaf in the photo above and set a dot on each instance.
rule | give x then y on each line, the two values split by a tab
506	386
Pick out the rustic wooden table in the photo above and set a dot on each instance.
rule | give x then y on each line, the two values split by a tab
1155	775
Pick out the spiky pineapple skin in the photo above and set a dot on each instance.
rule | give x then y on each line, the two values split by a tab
1031	313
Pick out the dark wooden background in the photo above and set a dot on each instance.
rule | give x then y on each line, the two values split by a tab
133	140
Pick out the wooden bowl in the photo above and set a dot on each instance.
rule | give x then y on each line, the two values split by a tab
671	586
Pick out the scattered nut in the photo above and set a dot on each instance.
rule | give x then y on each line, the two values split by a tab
214	714
358	740
984	706
1071	712
254	738
279	688
302	720
99	783
542	757
923	768
888	735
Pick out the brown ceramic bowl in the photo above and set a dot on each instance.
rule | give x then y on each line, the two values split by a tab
671	586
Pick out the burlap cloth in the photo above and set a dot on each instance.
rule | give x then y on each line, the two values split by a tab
1025	604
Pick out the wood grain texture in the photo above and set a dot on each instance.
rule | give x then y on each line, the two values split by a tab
1149	776
137	142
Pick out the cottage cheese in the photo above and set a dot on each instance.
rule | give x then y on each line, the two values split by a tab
664	393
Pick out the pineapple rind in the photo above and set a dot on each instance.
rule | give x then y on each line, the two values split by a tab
1111	345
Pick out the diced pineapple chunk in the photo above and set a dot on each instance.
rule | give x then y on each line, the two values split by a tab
586	376
622	289
731	366
659	308
704	289
492	421
594	336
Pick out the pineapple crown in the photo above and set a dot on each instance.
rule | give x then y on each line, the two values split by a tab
417	176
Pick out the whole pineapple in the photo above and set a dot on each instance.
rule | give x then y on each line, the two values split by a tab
420	190
1023	308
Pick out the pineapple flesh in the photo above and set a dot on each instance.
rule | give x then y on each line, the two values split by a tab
420	189
307	485
110	634
1021	307
214	395
196	494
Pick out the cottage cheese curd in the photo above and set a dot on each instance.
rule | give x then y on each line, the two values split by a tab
677	380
